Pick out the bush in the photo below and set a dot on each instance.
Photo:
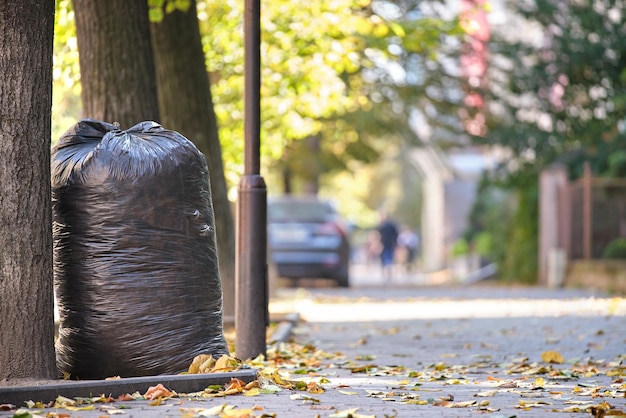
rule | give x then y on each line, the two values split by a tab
459	248
616	249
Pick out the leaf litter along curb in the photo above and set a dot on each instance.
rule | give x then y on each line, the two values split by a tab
307	372
549	383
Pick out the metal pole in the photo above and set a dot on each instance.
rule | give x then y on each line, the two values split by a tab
587	212
251	294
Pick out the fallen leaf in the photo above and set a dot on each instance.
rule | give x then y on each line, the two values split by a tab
464	404
314	388
235	386
536	404
345	392
216	411
350	413
304	398
80	408
110	410
252	392
251	385
416	402
125	397
238	413
198	361
62	402
24	413
322	407
487	393
226	364
552	357
158	391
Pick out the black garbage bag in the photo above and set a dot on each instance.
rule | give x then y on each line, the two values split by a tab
135	262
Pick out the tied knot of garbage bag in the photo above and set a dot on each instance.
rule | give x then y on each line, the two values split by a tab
135	261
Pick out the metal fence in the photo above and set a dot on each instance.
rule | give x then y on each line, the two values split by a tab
594	214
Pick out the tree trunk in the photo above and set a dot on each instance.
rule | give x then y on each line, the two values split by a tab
186	106
26	301
116	62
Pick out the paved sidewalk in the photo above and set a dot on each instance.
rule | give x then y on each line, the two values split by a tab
430	352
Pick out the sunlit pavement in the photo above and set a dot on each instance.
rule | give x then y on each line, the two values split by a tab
421	296
470	349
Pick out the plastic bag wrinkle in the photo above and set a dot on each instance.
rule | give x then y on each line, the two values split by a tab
136	270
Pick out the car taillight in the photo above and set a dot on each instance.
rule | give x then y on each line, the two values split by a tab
329	228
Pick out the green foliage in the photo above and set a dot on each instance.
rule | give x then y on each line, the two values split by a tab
520	263
346	71
459	248
555	94
156	8
484	244
503	228
562	98
617	164
491	214
66	105
324	73
616	249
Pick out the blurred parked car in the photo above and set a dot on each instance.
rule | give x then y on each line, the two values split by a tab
307	238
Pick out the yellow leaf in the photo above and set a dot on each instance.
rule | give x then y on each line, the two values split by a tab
157	402
237	413
252	392
80	408
416	402
440	366
207	365
226	364
345	392
552	357
449	355
63	402
350	413
194	367
251	385
215	411
540	382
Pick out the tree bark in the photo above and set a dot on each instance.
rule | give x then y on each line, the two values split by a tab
186	106
116	62
26	277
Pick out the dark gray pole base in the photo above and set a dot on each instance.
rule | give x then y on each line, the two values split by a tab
251	299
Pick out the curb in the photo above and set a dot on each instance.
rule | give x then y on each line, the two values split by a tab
184	383
284	329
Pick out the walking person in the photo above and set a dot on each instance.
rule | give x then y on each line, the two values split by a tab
408	241
388	232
